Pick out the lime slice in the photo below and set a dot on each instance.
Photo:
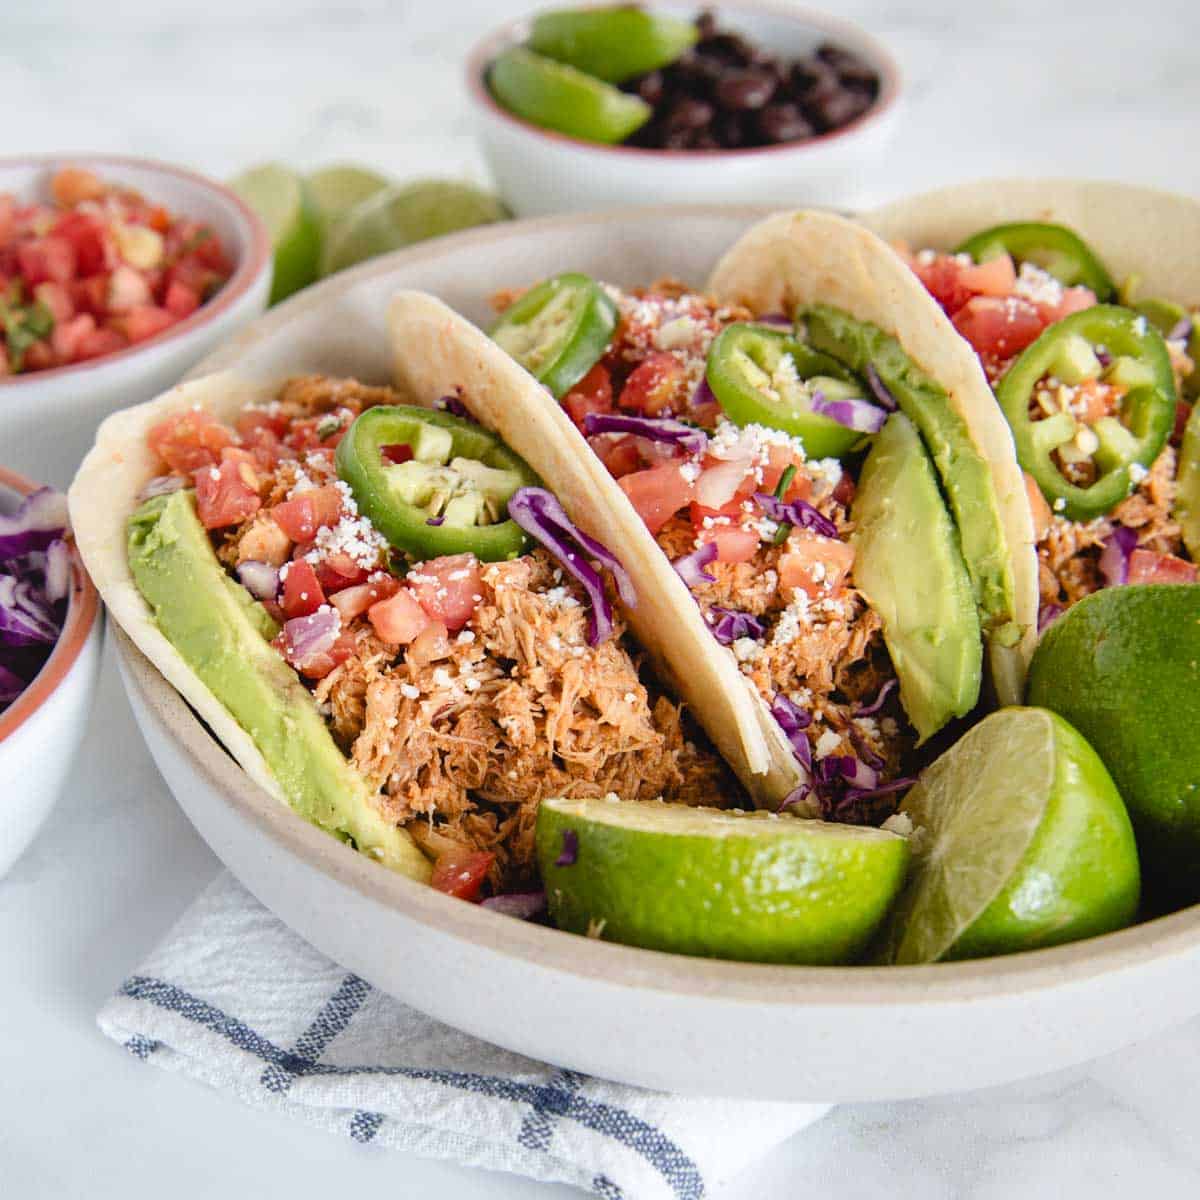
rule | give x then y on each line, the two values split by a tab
281	199
724	884
399	216
613	44
1021	841
1123	666
336	190
556	96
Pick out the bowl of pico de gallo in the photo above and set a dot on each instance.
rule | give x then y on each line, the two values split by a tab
116	276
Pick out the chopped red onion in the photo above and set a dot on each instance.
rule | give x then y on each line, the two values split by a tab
793	720
879	389
1181	330
39	520
260	579
731	624
654	429
798	513
719	483
862	806
871	709
521	905
161	485
1047	615
570	849
1114	558
58	571
845	767
1102	356
454	406
703	395
306	637
774	318
543	518
435	520
853	413
796	796
690	567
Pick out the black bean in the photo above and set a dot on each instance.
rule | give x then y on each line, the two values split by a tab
783	123
706	24
651	87
729	130
850	68
689	113
815	80
838	109
748	88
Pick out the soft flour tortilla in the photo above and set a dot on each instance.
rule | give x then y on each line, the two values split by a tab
439	353
819	258
1135	230
104	495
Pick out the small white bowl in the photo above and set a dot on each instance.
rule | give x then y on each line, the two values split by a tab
48	418
539	171
41	730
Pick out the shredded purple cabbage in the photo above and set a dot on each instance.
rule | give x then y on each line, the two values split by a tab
731	624
1181	330
690	567
542	517
1114	558
1047	615
879	389
798	513
871	709
434	520
570	849
35	581
454	406
793	720
522	905
703	395
779	319
853	413
655	429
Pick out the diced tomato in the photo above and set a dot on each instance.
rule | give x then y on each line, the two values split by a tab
943	279
93	246
8	216
1145	566
592	394
995	277
656	385
46	260
302	592
1074	299
68	336
399	619
223	495
90	294
1040	510
144	321
180	300
303	435
817	565
658	493
127	290
352	602
200	243
100	342
998	327
397	452
39	356
619	455
448	588
844	490
317	666
337	571
57	298
251	419
301	516
188	440
779	458
73	185
461	873
734	543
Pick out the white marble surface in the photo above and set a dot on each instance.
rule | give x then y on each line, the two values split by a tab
1108	90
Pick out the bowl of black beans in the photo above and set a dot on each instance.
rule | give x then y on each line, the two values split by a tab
619	105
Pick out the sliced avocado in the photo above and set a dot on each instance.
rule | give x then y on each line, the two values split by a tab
433	444
220	632
910	568
965	474
1075	360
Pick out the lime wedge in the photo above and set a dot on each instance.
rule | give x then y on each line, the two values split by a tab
281	199
756	887
336	190
1020	841
399	216
613	44
555	96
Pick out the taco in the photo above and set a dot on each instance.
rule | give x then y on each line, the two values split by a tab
1082	314
384	614
801	456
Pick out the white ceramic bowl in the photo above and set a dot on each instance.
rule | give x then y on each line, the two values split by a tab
658	1020
48	418
41	730
540	171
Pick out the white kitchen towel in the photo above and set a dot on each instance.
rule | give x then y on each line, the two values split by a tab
234	998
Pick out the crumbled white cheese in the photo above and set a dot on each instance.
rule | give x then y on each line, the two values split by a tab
409	692
900	823
1037	286
746	649
827	743
1137	473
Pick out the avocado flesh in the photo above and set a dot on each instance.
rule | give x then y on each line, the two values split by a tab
965	474
908	565
221	632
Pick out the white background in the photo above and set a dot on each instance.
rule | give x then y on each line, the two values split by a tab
1105	90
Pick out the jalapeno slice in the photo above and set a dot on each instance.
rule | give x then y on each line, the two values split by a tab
764	376
450	493
558	330
1054	248
1138	363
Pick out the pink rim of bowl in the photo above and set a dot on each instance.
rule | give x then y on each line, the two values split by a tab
248	268
82	610
513	33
